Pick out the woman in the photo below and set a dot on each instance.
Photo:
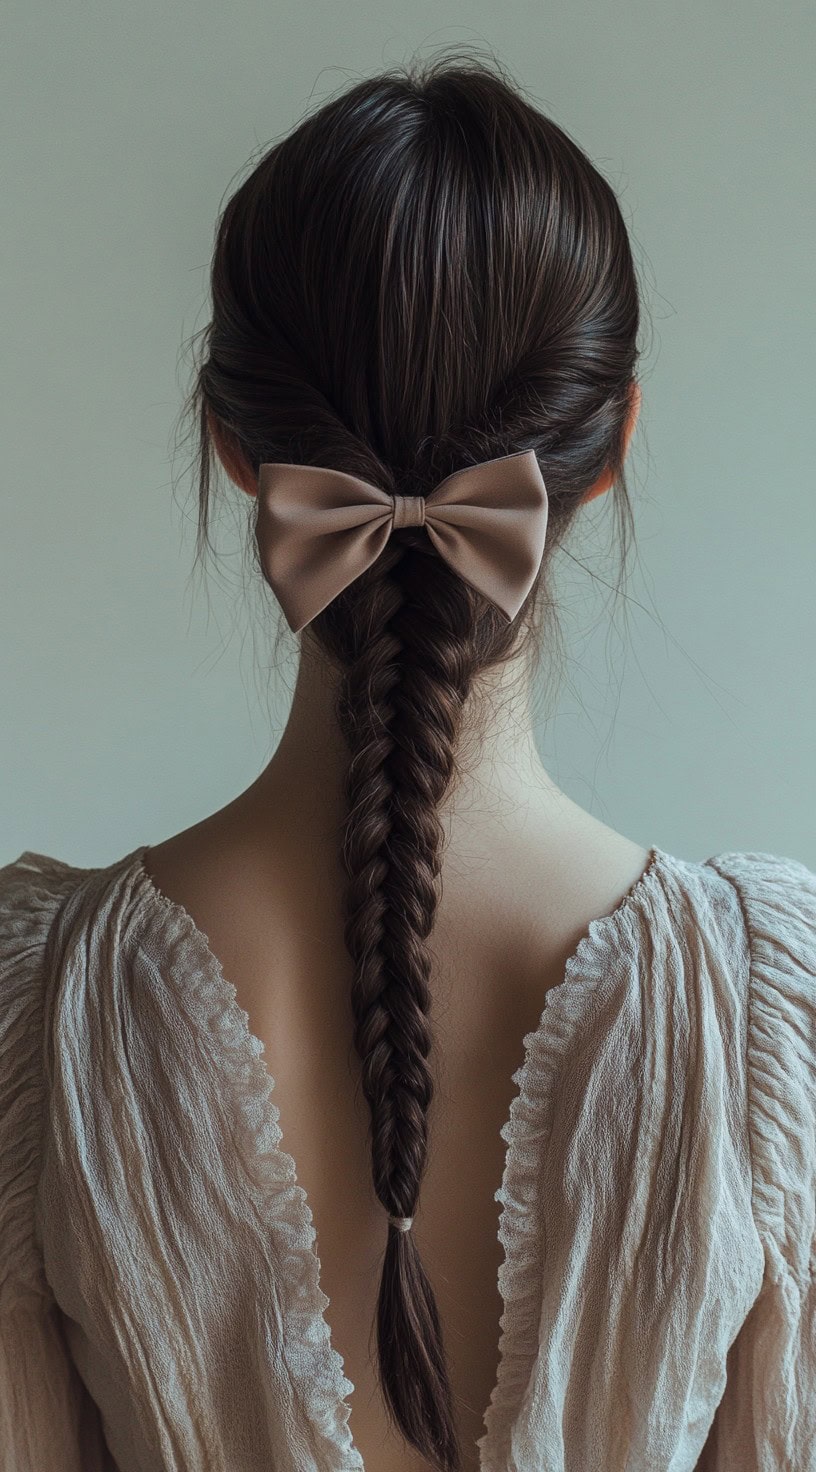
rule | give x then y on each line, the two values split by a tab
420	366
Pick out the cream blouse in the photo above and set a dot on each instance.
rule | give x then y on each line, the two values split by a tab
160	1303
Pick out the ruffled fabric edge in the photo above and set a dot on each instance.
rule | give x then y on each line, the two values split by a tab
778	898
32	889
319	1382
587	975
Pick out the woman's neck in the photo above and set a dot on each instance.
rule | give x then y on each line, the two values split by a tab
500	770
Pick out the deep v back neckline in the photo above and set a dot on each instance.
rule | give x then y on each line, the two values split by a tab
525	1133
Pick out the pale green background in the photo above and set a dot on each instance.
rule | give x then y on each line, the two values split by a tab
135	700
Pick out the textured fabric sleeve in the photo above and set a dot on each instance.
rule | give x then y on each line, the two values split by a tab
766	1421
48	1423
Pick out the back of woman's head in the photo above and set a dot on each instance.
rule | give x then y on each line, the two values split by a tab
425	274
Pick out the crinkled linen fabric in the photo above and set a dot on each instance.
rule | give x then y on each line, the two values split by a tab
160	1302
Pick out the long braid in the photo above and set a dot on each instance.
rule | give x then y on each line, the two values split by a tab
400	708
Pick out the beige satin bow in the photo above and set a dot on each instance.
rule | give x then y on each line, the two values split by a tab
318	529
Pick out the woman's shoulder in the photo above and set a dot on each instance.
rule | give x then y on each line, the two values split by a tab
772	896
33	887
36	891
754	914
33	890
46	905
776	896
738	931
777	881
777	900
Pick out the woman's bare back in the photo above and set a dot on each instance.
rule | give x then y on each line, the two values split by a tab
271	909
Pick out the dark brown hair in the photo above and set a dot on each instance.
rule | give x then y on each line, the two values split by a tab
426	273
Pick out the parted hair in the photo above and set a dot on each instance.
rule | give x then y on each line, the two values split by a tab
425	273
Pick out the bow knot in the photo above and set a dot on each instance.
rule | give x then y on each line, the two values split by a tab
409	511
318	529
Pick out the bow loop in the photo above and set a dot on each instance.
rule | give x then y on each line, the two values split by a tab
318	529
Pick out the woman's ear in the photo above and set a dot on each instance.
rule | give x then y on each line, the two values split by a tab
231	457
606	479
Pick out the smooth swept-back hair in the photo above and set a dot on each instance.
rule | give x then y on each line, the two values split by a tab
426	273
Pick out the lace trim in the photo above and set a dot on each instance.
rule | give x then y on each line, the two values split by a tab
314	1366
521	1274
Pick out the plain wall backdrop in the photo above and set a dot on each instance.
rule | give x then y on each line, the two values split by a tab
137	698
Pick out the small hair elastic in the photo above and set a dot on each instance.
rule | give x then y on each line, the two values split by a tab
402	1223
